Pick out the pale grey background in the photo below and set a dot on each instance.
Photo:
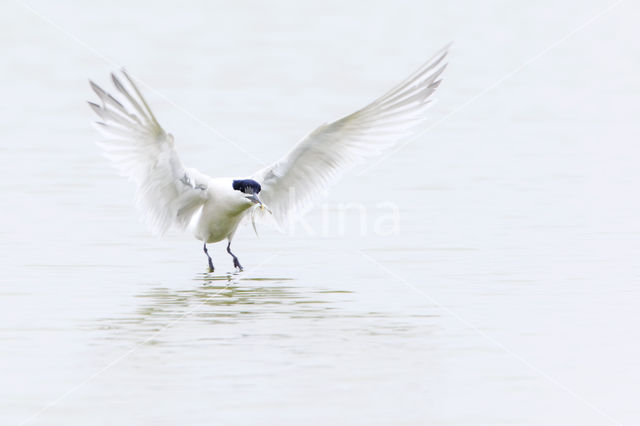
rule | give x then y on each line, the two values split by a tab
509	295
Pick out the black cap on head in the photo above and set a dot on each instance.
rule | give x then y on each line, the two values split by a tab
247	186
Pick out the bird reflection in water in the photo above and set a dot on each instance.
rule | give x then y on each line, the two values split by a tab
227	299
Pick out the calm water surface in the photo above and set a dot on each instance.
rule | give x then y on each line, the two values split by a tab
507	294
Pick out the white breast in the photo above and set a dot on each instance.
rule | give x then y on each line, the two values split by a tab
221	214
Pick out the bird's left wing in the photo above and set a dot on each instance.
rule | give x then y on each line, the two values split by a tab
292	184
167	193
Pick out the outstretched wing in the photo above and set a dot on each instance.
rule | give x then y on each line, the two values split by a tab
293	183
167	192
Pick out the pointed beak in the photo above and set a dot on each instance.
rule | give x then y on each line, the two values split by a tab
256	200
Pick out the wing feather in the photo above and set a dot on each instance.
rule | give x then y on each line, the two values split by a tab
292	184
167	193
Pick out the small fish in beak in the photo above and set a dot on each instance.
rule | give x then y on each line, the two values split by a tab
256	200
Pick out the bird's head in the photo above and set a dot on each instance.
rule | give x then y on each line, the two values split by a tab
249	190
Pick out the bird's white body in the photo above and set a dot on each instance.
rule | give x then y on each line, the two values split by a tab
221	213
170	194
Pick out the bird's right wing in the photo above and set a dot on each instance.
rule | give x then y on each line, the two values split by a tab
167	193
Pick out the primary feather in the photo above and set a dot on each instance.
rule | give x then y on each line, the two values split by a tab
292	184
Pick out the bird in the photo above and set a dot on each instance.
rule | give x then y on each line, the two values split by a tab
170	194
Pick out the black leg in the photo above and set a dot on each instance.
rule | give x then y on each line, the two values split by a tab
236	262
211	268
